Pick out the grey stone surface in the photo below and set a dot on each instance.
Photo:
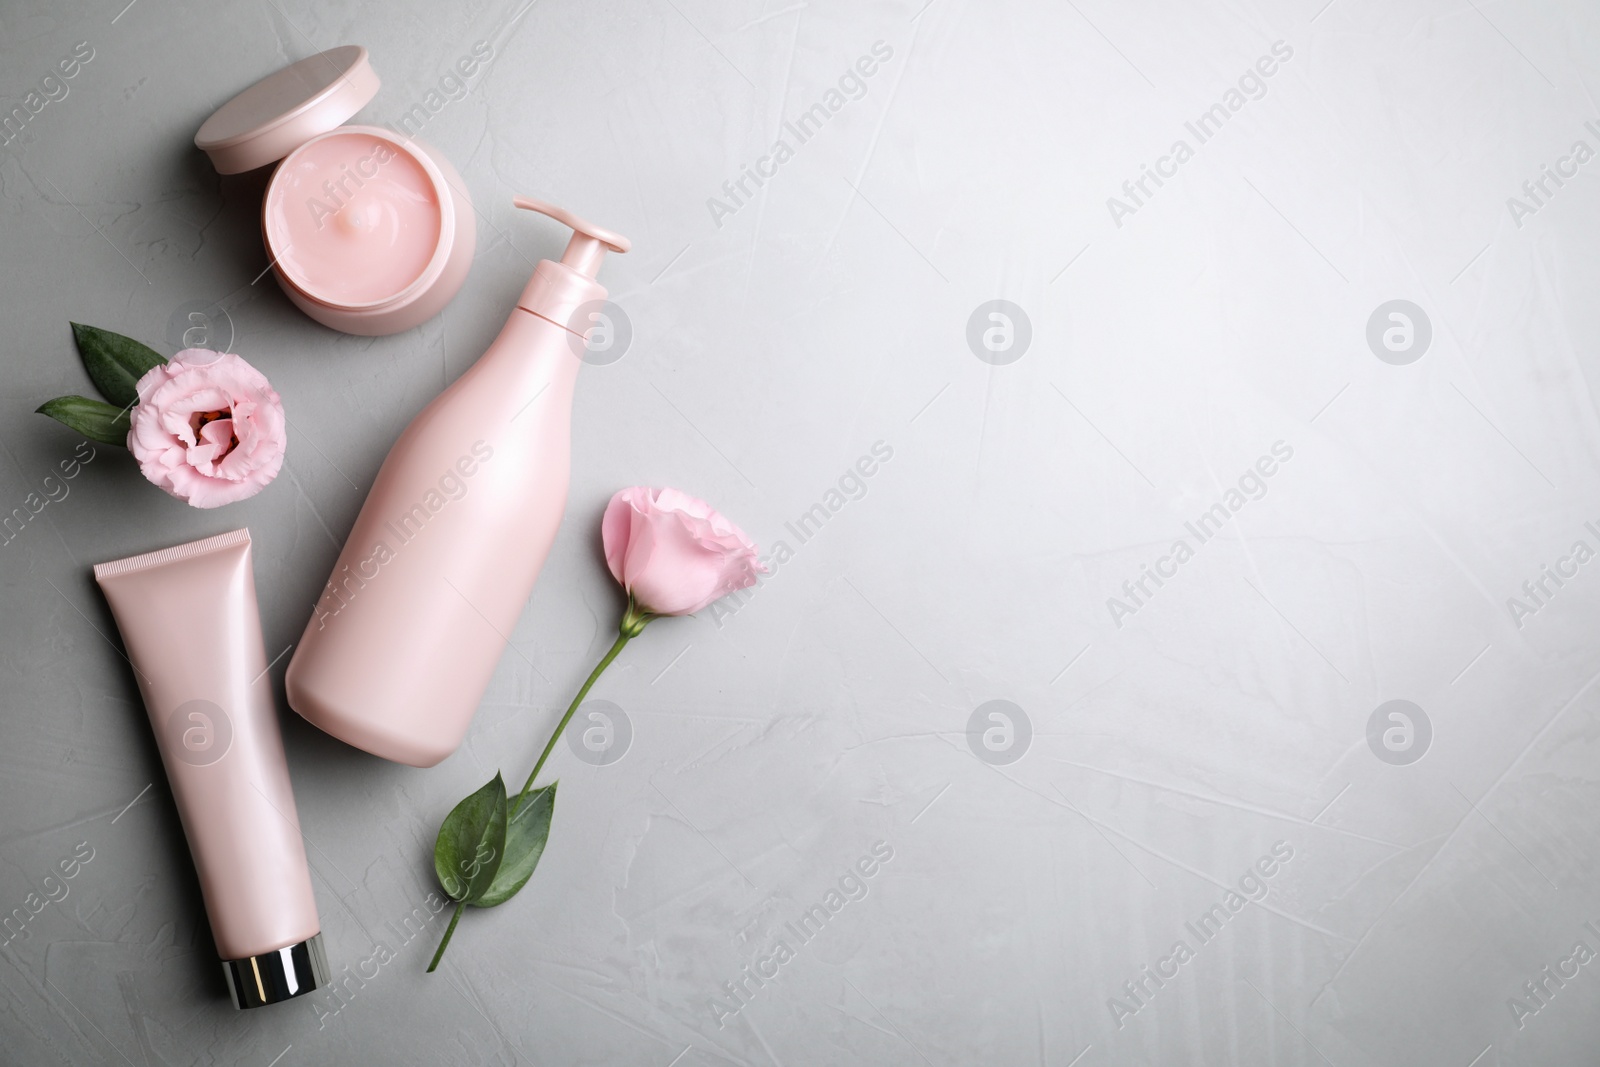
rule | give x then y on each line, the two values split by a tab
1174	738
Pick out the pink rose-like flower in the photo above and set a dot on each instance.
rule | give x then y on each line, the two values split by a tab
208	428
674	553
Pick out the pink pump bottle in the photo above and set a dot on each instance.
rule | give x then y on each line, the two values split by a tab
455	529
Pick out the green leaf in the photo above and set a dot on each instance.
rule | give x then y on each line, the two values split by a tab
527	829
472	843
95	419
115	363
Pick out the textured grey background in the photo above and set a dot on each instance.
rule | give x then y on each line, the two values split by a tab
775	746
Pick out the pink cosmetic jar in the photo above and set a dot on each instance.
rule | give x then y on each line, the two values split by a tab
367	231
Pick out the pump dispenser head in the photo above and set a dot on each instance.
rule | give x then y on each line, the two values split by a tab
559	290
589	242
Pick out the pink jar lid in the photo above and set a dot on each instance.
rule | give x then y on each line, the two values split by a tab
285	109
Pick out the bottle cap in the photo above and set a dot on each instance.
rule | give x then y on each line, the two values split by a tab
279	975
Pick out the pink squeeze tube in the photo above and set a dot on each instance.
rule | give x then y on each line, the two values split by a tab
188	618
453	533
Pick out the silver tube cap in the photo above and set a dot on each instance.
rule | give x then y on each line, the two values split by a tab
281	974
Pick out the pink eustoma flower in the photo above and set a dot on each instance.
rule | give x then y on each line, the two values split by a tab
675	553
208	428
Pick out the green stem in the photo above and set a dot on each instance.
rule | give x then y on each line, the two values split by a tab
437	956
633	623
